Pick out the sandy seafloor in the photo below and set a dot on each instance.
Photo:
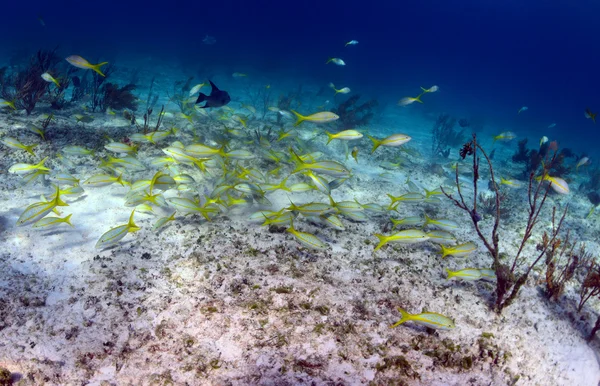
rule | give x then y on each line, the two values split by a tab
231	302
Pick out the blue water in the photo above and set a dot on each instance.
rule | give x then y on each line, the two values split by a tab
488	57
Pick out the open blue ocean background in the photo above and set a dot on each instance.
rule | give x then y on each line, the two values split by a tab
488	57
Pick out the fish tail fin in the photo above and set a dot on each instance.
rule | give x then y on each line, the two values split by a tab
382	241
29	149
300	118
418	97
445	251
57	201
405	316
329	60
131	225
297	160
593	117
96	67
40	165
332	85
450	274
330	137
425	91
119	180
376	143
201	98
68	219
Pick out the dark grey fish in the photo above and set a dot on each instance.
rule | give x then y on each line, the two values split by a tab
217	98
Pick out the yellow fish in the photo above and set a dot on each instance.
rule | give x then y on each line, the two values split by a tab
80	62
320	117
50	79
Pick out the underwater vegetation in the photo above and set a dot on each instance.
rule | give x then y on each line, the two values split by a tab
201	166
510	277
444	136
532	158
354	114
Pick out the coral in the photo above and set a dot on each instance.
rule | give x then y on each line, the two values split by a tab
26	87
180	95
353	115
444	136
532	159
510	278
118	98
561	257
95	88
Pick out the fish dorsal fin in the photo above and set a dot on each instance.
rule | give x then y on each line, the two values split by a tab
214	88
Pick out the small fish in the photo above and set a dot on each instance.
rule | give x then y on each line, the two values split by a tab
239	75
23	168
161	222
100	180
583	161
460	250
464	274
407	197
410	100
506	136
51	221
346	135
391	141
355	154
588	115
524	108
14	143
80	62
551	125
320	117
119	147
430	89
543	140
209	40
196	88
114	235
34	129
428	319
443	224
351	43
441	237
217	98
409	236
307	239
337	61
557	184
77	151
408	221
344	90
38	210
50	79
512	183
83	118
5	103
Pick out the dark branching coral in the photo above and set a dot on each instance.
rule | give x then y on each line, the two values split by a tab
590	288
561	263
118	98
352	114
444	136
26	87
532	159
510	277
96	89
